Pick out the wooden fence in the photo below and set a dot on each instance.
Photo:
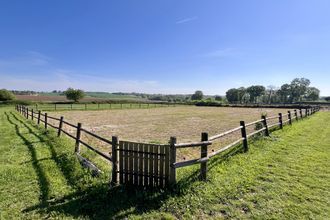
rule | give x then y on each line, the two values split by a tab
98	106
154	165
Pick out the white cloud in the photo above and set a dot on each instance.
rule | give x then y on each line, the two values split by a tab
185	20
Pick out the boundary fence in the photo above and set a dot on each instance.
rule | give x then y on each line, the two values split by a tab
154	165
98	106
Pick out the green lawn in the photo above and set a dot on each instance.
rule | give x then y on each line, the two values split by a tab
286	176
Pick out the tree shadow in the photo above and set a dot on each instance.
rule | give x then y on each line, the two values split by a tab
99	201
64	162
42	179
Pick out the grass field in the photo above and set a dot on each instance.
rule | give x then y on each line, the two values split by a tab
90	97
286	176
157	125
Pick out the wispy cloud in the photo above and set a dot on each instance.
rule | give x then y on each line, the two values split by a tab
221	53
185	20
29	58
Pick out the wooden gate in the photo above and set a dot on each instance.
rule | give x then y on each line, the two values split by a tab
143	164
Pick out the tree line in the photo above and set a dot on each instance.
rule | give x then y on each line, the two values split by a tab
298	90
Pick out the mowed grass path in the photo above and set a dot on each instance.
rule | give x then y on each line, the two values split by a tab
286	176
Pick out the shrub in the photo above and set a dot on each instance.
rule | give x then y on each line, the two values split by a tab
6	95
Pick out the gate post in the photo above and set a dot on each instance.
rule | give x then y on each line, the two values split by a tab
114	179
172	179
203	168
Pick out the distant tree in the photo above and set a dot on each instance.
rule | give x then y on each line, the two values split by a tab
232	95
218	98
298	88
240	93
6	95
198	95
54	91
284	93
327	99
255	92
74	94
246	98
312	94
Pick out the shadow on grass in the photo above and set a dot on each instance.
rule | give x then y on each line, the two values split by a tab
65	163
42	179
99	201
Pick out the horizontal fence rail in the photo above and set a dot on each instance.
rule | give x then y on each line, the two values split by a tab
154	165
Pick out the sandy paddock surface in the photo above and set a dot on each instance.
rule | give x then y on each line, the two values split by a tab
159	124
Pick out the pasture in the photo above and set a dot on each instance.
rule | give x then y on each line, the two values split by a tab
285	176
157	125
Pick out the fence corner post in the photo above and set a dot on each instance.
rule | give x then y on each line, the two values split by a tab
244	136
265	124
203	166
77	146
172	179
114	179
60	126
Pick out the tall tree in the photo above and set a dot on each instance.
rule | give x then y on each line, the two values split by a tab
299	88
232	95
198	95
312	94
255	92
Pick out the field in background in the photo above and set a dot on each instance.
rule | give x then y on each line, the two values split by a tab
157	125
90	97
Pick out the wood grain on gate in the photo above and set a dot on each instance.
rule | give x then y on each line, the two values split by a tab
143	164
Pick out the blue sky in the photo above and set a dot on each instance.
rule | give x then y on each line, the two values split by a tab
163	46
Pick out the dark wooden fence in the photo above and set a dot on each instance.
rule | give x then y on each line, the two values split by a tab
154	165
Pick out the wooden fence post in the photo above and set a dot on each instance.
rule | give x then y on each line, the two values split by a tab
77	146
306	112
60	126
114	179
32	114
243	131
203	167
300	112
27	113
39	114
172	179
46	121
289	117
265	125
280	120
296	114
